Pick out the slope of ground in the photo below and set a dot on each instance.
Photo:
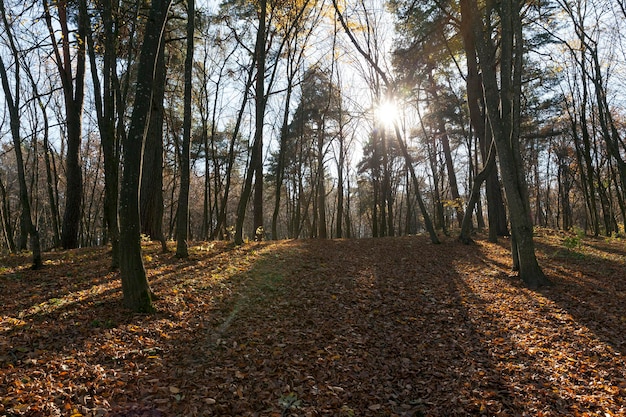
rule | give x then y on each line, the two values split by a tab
374	327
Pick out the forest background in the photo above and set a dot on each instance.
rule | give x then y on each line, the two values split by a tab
245	120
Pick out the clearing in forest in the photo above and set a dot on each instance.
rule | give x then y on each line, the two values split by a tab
372	327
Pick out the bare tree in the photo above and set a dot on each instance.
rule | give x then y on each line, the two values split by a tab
399	138
12	99
73	93
255	169
104	97
5	211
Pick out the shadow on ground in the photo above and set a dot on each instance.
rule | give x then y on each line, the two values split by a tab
380	327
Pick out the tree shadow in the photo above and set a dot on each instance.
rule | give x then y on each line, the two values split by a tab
63	273
591	287
345	327
562	342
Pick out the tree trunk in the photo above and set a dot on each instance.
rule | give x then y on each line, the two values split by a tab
340	181
447	153
104	97
454	188
501	108
259	125
211	210
607	212
607	125
280	164
255	170
583	158
496	211
586	138
418	195
73	93
182	224
5	210
13	105
348	220
466	225
221	218
321	183
50	178
620	196
110	140
387	193
137	295
151	188
440	222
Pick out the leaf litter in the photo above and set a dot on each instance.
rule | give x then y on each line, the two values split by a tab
371	327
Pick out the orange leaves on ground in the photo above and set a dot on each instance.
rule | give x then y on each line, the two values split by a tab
392	327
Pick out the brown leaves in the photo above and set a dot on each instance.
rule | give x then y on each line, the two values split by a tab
393	327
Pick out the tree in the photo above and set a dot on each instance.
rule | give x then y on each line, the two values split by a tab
5	211
502	101
399	138
476	107
276	22
317	113
51	179
431	41
213	69
182	222
73	93
151	189
221	219
137	294
12	99
104	98
297	36
591	75
255	169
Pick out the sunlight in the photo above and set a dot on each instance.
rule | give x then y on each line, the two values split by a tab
387	113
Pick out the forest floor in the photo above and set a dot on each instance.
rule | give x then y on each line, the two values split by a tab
372	327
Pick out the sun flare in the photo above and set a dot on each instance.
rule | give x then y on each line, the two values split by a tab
387	113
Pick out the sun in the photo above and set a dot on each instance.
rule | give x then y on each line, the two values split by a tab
387	113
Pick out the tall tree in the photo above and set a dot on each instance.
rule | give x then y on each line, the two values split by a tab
299	31
255	169
221	219
498	225
496	212
12	99
5	211
594	73
315	117
433	37
151	188
182	221
137	294
502	99
442	135
220	229
73	92
398	134
213	70
51	179
104	98
256	159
